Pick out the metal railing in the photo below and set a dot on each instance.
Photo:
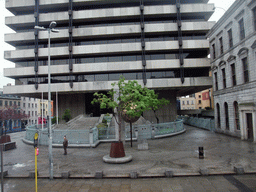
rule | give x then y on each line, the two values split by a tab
94	135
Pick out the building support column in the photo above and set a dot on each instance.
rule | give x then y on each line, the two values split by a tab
70	45
143	52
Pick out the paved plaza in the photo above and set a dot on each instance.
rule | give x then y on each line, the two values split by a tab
178	153
237	183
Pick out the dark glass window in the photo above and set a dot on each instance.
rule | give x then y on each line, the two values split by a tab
246	70
6	103
10	103
14	103
216	81
221	45
241	28
218	115
18	103
199	101
226	115
233	74
101	77
213	51
24	104
254	18
1	103
237	122
114	76
230	38
224	78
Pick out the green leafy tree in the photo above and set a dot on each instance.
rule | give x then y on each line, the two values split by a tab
155	103
132	101
67	115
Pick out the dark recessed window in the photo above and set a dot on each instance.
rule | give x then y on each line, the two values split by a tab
224	78
221	45
246	70
241	28
213	51
216	81
230	38
218	115
226	115
237	122
233	74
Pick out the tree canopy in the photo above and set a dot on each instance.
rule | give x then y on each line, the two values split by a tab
132	98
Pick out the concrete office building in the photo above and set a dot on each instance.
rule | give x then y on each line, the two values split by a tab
161	44
233	53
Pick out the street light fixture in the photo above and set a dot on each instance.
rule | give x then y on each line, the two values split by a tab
50	29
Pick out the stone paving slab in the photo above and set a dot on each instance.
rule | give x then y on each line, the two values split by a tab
178	153
178	184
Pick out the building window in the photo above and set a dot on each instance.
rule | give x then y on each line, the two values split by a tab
28	104
199	101
226	115
213	51
24	104
221	45
35	113
218	115
192	102
241	28
187	102
254	18
224	78
29	113
216	81
199	96
35	105
14	103
32	105
233	74
237	122
32	113
10	103
183	102
1	103
230	38
246	71
6	103
18	103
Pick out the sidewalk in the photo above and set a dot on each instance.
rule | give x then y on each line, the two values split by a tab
178	153
178	184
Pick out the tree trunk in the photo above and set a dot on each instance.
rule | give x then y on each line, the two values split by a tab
131	132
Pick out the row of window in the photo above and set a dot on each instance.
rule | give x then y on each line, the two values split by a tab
202	72
32	113
242	35
115	41
9	103
32	105
226	116
186	54
233	77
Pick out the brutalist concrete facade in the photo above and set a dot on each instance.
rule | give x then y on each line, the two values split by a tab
233	53
161	44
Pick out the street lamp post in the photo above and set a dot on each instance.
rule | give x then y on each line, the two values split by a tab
50	29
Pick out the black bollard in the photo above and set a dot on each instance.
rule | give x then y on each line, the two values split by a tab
201	152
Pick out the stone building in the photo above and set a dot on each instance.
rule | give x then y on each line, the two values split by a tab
160	43
30	107
233	59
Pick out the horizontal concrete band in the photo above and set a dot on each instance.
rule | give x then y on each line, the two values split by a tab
173	83
26	4
106	49
110	14
109	31
107	67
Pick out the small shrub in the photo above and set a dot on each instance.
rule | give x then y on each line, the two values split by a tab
67	115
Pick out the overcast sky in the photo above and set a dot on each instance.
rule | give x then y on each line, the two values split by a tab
220	5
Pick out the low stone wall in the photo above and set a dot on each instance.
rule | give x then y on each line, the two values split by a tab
204	123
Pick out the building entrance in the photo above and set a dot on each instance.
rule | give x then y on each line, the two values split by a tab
91	109
249	126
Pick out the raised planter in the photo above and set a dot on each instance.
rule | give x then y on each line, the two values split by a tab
117	150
